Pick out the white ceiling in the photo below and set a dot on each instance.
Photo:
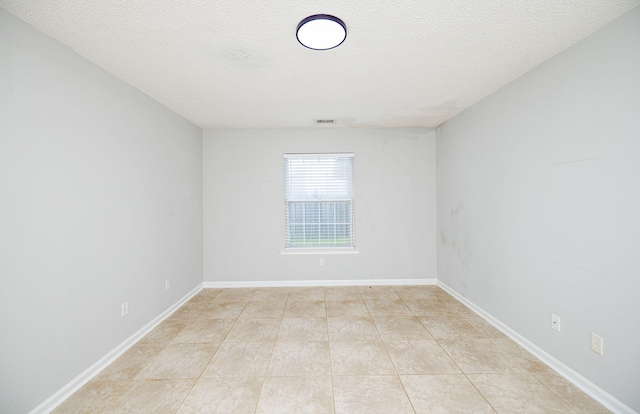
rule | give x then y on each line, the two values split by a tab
235	64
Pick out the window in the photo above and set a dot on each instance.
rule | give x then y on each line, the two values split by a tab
318	201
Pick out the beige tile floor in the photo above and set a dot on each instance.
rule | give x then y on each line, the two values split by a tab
408	349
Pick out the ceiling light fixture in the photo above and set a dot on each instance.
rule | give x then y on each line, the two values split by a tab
321	32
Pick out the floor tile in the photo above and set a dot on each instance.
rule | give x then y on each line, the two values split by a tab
392	328
275	294
418	292
458	307
569	393
151	396
347	308
450	300
486	329
186	312
301	294
303	395
223	395
378	292
164	333
91	398
519	358
360	358
262	310
222	310
370	394
206	295
352	329
446	326
205	331
444	394
300	359
353	349
234	295
478	356
303	329
420	357
129	364
342	293
179	361
426	307
387	307
305	309
242	359
202	299
254	330
518	393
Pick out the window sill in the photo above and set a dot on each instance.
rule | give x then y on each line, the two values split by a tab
318	251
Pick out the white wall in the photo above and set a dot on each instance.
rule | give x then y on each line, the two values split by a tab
538	205
100	202
394	176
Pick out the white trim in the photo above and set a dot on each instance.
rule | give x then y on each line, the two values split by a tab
320	154
591	389
320	250
578	380
75	384
319	283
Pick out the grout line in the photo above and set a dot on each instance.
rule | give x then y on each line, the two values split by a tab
217	348
205	365
188	319
456	364
333	388
275	339
395	368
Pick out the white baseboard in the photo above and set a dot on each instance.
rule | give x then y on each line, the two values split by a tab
75	384
575	378
578	380
312	283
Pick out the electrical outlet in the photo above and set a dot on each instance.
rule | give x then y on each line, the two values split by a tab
597	344
322	261
167	284
125	309
555	322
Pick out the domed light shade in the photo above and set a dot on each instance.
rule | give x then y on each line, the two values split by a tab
321	32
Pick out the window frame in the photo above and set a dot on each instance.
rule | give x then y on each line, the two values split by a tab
288	200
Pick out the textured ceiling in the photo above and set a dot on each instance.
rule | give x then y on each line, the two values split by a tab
233	64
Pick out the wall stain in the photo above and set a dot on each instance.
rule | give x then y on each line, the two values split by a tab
460	228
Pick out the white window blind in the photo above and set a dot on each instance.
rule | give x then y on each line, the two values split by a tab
318	201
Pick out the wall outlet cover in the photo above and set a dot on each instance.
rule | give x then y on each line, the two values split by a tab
597	344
